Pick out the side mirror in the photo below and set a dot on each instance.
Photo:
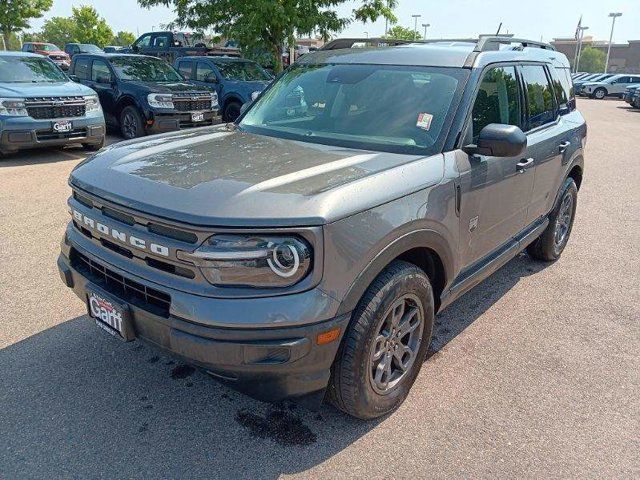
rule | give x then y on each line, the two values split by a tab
211	79
498	140
104	79
74	78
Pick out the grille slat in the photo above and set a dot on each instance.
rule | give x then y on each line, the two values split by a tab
187	103
140	295
42	108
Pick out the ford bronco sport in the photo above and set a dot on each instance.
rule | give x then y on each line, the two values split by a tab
305	249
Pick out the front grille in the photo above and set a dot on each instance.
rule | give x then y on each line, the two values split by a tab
192	103
132	292
47	135
42	108
57	57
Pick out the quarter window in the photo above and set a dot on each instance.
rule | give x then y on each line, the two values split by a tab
540	96
185	69
81	70
497	101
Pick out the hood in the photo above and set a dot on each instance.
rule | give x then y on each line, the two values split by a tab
46	89
214	176
168	87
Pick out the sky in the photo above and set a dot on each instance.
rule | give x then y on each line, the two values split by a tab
546	19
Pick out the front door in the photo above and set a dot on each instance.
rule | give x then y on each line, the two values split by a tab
102	82
495	192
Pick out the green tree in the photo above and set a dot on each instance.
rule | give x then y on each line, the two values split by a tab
16	14
123	39
398	32
270	24
89	27
591	60
59	30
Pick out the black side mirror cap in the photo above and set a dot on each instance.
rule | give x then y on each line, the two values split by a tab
498	140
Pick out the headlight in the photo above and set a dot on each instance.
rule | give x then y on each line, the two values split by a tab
160	100
214	101
252	261
14	107
92	103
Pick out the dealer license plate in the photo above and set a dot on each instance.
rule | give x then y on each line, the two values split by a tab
197	117
110	315
62	126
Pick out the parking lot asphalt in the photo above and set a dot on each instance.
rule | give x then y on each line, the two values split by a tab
534	373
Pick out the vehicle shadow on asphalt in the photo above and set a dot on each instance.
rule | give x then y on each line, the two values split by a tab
78	403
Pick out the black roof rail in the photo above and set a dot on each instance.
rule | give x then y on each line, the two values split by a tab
486	43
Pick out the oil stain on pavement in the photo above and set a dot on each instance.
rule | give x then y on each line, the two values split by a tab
278	425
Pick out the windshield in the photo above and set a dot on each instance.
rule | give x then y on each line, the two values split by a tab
47	47
144	69
89	48
29	70
244	71
377	107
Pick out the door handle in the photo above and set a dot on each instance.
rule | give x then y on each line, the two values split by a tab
563	146
523	164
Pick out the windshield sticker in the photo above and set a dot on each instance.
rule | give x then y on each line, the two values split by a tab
424	121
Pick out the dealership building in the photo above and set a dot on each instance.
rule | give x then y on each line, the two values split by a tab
625	57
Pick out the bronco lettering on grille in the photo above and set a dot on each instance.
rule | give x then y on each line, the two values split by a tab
122	237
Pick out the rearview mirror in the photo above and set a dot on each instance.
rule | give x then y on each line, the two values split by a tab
498	140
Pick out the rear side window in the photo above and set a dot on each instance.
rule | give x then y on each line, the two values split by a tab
497	101
185	69
541	107
563	86
82	69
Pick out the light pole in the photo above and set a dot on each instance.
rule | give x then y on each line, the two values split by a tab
425	25
613	15
415	26
582	29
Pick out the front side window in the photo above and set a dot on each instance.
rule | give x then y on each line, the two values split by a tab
144	69
378	107
29	70
204	73
185	69
243	71
540	96
100	71
497	101
144	41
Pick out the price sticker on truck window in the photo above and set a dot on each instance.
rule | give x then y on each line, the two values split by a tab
424	121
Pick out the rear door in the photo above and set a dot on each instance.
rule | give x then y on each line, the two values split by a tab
548	138
495	191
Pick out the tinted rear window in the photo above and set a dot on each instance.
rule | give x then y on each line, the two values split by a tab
540	96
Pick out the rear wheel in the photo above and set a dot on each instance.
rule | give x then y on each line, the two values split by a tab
386	343
131	124
549	246
600	93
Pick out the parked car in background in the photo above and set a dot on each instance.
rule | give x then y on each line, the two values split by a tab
635	99
612	86
74	48
236	80
578	75
142	95
40	106
113	49
627	96
172	45
50	50
577	84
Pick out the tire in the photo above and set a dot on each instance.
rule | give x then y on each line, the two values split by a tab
93	147
357	384
231	111
131	124
549	245
599	93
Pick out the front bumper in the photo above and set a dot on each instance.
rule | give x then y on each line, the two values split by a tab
269	364
170	122
19	133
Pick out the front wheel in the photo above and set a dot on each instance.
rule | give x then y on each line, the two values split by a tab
600	93
550	244
231	111
386	343
131	124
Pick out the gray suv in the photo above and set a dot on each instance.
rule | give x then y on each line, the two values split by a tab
304	250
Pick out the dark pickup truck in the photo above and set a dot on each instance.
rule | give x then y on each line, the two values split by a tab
172	45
